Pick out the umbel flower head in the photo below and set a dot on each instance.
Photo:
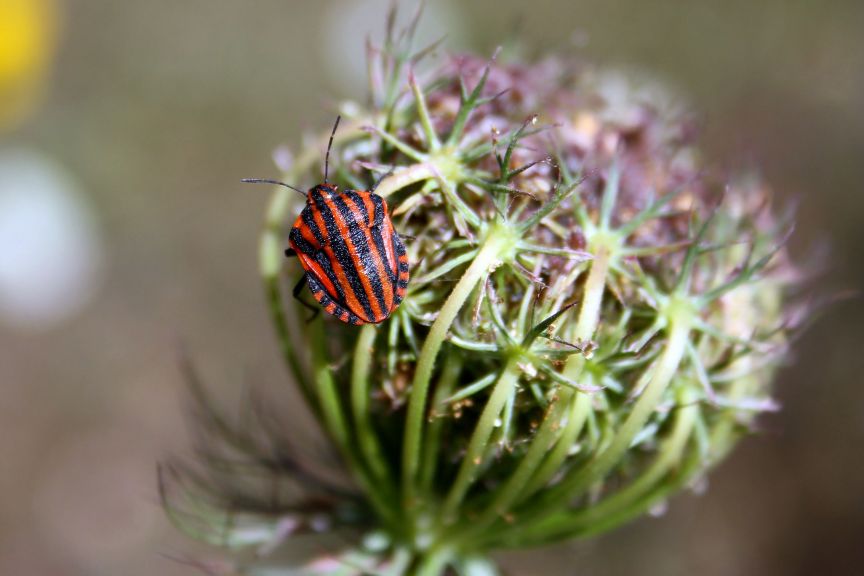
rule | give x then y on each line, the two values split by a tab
593	321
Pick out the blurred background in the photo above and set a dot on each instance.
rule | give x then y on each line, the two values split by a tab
124	129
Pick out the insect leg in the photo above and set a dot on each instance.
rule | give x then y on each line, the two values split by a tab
377	182
296	293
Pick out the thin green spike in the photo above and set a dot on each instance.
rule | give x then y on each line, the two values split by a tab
558	197
649	213
469	102
566	252
423	112
473	346
495	314
745	276
508	154
412	153
471	389
684	279
446	267
429	49
537	330
565	381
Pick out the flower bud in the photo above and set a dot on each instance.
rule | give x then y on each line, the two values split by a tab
593	318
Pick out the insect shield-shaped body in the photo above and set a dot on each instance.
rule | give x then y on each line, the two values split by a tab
355	262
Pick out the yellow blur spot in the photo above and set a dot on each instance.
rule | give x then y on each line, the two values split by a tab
27	36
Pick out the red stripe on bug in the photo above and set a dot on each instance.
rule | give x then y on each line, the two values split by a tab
360	265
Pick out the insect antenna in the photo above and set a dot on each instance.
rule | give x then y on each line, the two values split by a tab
329	146
268	181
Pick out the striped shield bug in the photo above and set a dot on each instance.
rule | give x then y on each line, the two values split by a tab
355	263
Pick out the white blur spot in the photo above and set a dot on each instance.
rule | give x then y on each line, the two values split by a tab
477	566
348	23
49	250
659	509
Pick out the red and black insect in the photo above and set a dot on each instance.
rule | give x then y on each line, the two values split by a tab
355	262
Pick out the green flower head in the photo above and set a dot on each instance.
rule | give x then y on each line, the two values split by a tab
593	320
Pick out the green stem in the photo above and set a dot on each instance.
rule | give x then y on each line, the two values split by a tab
473	459
405	177
550	503
690	466
722	438
620	503
335	420
489	256
366	435
636	420
579	404
592	299
540	464
450	373
677	479
514	487
328	396
430	563
669	455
